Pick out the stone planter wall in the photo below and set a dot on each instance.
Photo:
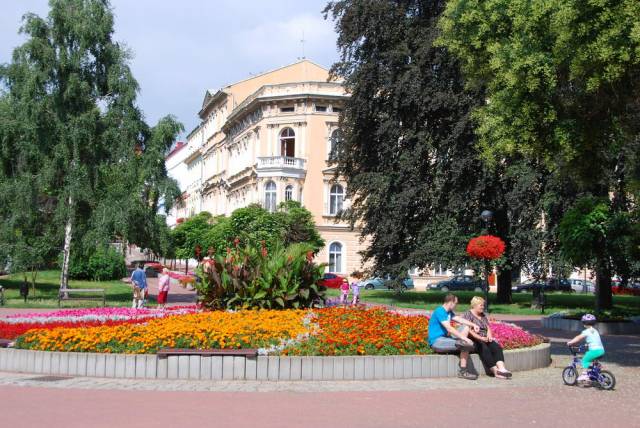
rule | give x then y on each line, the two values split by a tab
259	368
560	323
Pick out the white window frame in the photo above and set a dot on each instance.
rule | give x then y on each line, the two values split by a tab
341	254
288	192
270	196
335	209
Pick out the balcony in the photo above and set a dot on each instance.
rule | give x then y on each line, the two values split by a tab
281	166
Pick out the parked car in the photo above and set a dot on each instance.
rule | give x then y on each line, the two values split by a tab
582	286
460	283
379	283
331	280
552	284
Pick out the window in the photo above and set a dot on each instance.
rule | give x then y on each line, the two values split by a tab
335	257
288	193
321	108
336	197
287	143
337	109
334	140
287	109
270	196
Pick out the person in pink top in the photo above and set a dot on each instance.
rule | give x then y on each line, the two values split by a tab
163	288
344	288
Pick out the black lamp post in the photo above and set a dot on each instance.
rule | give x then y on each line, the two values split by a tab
486	216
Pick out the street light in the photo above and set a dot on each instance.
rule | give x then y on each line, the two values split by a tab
486	216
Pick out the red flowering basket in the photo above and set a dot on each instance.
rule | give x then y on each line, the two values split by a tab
486	247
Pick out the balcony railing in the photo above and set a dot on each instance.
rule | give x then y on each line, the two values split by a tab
281	162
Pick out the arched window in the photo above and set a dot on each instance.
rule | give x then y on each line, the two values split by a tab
270	196
288	193
335	257
334	140
336	197
288	143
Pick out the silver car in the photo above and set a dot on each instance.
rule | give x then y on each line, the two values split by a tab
582	286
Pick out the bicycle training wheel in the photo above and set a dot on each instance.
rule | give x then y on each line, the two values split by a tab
608	380
569	375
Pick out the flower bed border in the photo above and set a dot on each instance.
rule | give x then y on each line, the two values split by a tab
613	328
273	368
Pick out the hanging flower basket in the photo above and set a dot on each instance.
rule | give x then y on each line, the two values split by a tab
486	247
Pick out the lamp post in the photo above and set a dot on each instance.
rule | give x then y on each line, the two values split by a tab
486	216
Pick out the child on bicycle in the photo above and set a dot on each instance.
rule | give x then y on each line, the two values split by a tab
592	337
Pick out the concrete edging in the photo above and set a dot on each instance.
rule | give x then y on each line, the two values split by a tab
613	328
271	368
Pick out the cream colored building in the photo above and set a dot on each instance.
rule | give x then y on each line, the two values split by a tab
265	140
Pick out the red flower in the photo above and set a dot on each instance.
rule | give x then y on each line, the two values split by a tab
486	247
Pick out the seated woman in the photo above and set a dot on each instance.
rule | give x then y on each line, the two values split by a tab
489	350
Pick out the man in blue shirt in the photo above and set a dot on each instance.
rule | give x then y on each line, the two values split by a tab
444	338
139	281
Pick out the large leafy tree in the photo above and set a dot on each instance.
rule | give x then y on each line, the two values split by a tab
408	150
72	130
562	83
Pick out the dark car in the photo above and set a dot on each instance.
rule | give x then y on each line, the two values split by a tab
331	280
460	283
552	284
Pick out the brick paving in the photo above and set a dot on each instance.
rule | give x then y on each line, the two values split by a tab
532	398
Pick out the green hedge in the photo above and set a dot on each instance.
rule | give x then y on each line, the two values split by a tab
103	265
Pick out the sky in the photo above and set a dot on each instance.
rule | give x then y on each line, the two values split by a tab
182	48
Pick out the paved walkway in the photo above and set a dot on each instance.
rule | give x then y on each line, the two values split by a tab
533	398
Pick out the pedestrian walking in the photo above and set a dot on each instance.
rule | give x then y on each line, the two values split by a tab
139	281
163	288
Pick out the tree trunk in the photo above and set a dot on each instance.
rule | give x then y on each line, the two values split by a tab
34	275
604	298
504	277
504	285
66	251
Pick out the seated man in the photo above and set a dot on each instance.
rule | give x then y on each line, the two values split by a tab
443	337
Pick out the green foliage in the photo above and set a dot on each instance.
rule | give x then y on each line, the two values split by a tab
75	148
102	265
409	154
292	223
591	229
254	277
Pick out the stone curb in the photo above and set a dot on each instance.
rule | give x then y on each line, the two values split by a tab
612	328
270	368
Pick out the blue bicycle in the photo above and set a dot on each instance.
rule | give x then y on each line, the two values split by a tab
597	377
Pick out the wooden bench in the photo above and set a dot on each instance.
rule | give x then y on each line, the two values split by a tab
165	352
63	294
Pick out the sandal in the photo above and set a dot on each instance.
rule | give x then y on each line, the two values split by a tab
507	375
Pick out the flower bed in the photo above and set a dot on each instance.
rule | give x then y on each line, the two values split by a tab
330	331
16	325
246	329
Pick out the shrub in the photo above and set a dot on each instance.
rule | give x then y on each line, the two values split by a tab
104	264
254	277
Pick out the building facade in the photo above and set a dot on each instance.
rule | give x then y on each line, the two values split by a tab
266	140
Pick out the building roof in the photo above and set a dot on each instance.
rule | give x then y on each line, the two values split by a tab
179	146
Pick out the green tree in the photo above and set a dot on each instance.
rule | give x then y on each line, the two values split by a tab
562	84
408	151
69	119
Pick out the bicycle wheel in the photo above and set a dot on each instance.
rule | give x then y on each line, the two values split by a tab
607	380
569	375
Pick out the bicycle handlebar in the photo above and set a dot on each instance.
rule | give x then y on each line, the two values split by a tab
576	349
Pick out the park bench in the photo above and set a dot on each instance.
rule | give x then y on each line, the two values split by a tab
64	294
165	352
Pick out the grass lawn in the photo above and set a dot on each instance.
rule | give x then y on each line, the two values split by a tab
521	301
46	294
